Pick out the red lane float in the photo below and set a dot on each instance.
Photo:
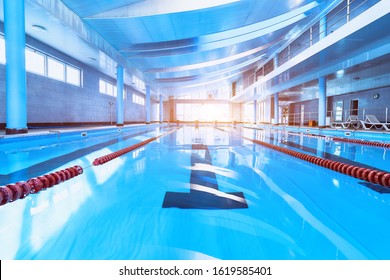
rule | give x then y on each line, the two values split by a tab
339	139
20	190
370	175
114	155
109	157
362	142
346	140
306	135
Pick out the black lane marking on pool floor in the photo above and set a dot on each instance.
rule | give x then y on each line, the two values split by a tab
53	163
204	192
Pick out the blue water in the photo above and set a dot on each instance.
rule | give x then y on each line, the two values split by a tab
289	209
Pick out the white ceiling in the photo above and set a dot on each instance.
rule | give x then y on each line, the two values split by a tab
175	46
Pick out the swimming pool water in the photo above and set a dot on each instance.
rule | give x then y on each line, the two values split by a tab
197	193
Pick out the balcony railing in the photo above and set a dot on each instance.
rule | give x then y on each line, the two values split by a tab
307	118
339	16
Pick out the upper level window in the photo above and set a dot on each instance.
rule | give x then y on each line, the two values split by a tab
55	69
138	99
108	88
138	83
2	50
222	93
45	65
73	75
35	62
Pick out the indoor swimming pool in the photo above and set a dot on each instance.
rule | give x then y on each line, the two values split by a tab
194	193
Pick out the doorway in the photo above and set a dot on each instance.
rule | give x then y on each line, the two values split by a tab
354	107
302	115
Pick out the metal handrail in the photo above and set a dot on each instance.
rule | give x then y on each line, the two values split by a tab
312	39
300	119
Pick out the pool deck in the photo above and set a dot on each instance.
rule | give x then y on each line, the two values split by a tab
380	135
62	129
345	132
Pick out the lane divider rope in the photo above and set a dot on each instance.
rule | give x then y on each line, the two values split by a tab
369	175
111	156
338	139
114	155
22	189
363	142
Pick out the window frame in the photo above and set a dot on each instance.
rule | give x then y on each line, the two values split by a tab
36	53
46	58
55	75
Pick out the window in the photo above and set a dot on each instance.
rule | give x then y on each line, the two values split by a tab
55	69
354	107
2	50
202	112
35	62
45	65
73	75
222	93
339	111
102	86
108	88
248	113
138	99
138	83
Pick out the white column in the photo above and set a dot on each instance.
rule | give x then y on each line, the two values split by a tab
322	102
119	96
276	108
15	73
147	104
161	109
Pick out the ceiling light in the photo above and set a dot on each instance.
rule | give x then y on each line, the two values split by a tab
39	28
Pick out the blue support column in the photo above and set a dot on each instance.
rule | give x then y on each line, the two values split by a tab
147	104
255	111
276	61
321	147
15	78
322	102
276	108
161	109
323	33
255	105
119	96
